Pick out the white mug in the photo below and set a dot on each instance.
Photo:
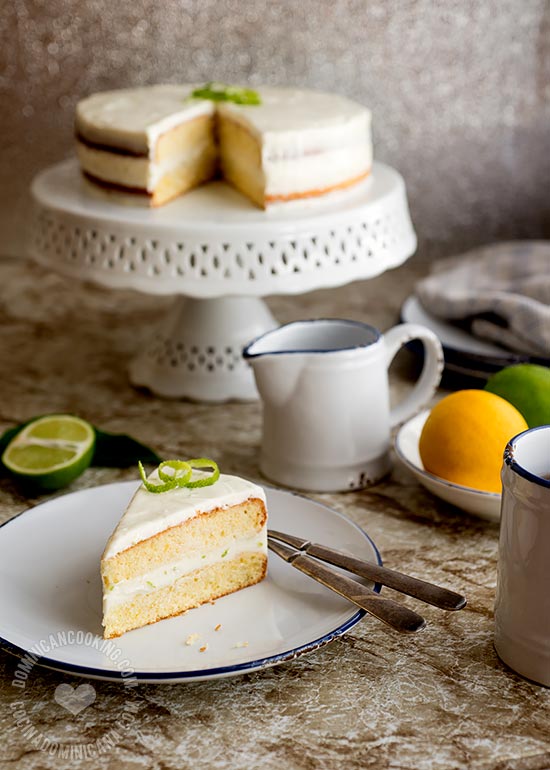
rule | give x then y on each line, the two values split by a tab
522	607
326	407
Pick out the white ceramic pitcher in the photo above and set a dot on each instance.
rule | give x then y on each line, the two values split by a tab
326	410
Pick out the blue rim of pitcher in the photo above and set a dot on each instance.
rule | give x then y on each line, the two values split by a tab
348	321
513	464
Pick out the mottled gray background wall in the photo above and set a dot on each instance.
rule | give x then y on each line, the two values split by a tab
460	90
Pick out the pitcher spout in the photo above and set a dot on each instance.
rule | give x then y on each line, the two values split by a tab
276	374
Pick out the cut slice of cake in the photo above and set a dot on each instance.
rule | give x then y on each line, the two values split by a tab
178	549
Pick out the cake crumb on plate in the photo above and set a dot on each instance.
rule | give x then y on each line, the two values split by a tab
191	639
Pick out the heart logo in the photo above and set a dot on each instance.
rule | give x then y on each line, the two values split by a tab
74	699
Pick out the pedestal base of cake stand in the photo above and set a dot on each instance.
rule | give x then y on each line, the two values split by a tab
197	352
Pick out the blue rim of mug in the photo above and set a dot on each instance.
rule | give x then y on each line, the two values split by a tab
301	351
513	464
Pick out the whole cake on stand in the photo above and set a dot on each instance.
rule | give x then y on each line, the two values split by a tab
273	145
216	250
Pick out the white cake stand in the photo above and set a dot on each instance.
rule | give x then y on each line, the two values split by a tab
221	255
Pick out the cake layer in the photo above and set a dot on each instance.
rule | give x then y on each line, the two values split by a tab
191	590
241	159
182	158
170	571
183	178
293	122
133	119
148	514
201	534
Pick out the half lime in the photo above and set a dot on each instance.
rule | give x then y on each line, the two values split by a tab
51	451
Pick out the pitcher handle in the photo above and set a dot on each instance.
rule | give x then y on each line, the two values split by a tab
432	369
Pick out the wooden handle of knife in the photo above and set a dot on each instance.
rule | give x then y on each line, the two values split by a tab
396	615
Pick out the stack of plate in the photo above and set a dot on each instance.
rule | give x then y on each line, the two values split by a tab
469	361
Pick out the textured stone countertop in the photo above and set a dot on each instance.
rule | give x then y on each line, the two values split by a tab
371	699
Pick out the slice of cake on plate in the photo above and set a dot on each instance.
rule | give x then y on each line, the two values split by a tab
281	144
177	549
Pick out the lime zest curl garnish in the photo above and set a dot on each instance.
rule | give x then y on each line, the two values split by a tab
206	481
150	486
181	476
220	92
181	471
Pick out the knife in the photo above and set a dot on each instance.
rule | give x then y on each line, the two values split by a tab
392	613
419	589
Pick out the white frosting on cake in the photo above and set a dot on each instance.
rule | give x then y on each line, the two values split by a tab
149	513
292	122
134	118
169	573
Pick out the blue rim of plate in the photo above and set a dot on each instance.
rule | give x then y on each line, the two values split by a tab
238	668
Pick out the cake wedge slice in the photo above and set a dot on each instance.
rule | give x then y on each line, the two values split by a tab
175	550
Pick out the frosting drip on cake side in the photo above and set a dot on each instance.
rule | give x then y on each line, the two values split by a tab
149	513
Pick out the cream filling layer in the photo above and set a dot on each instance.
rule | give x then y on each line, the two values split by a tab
148	513
131	171
160	577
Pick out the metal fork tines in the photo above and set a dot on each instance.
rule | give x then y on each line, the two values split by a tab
396	615
419	589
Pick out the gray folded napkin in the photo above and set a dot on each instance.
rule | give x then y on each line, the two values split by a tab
503	289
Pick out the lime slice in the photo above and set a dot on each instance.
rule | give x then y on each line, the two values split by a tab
51	452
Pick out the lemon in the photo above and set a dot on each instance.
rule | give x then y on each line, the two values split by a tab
464	437
527	387
50	452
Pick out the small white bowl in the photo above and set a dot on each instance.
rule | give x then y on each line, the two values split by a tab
486	505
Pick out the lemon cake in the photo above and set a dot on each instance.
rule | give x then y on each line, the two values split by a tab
161	141
181	548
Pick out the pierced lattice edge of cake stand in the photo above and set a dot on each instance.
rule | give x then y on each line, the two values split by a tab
224	271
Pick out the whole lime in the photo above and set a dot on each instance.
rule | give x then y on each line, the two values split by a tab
527	387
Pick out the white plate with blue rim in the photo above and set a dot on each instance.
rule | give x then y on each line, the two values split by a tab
50	596
486	505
